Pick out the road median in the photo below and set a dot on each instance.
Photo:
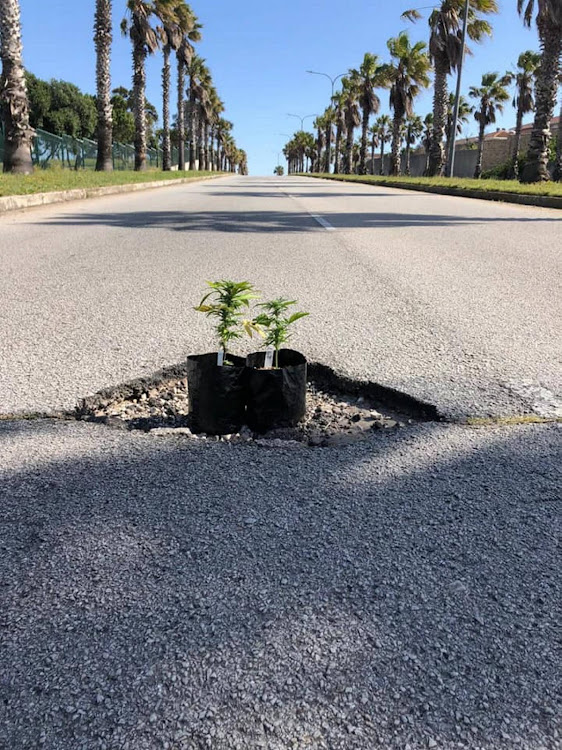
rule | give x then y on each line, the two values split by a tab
527	199
20	202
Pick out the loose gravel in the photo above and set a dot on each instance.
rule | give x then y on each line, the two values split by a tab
166	593
162	408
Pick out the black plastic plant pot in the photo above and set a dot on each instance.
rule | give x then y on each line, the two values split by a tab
277	397
217	395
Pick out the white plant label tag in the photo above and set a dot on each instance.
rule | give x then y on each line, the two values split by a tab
268	364
220	358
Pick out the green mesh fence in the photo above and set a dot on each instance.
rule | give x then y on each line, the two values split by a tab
66	152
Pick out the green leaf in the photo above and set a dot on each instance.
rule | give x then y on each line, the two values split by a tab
297	316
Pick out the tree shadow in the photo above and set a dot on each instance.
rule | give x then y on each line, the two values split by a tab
273	221
364	597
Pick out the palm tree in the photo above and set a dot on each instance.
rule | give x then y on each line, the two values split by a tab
407	76
102	38
491	95
463	117
549	25
427	136
329	115
145	42
320	125
191	32
170	36
224	136
527	64
414	128
197	70
203	90
383	125
558	164
352	118
216	107
374	135
445	50
13	92
367	78
338	103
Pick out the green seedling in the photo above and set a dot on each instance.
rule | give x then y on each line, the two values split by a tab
276	323
226	302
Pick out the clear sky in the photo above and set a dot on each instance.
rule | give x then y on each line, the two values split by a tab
258	52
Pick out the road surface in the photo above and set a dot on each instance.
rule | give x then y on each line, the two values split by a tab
402	592
454	301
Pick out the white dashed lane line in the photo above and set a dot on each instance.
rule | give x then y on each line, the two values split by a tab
323	222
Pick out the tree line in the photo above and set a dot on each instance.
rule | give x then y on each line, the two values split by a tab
120	115
536	80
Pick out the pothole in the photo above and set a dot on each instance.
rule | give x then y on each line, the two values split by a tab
340	411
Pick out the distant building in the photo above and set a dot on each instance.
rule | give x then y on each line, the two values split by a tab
498	144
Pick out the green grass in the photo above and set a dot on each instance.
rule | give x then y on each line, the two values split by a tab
505	186
47	180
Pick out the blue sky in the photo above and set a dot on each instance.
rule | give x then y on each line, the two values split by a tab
258	52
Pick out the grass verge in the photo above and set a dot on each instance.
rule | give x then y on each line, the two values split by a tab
553	189
47	181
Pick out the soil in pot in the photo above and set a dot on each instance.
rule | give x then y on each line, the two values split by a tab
276	397
217	394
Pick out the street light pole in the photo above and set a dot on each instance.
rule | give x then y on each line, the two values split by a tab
329	128
302	119
332	80
451	155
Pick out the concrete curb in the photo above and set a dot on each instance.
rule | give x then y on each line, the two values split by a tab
544	201
19	202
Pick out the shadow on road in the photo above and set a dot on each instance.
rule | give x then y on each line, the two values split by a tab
274	221
276	594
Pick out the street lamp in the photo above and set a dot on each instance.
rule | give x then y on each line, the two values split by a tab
302	119
332	80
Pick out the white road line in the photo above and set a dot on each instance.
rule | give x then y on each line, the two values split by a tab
323	223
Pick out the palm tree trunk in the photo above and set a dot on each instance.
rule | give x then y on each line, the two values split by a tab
364	140
349	151
166	145
395	151
102	38
514	172
558	165
139	104
212	149
200	137
328	154
536	167
318	150
373	146
478	170
426	169
192	126
206	146
181	114
13	92
408	151
337	150
382	154
440	101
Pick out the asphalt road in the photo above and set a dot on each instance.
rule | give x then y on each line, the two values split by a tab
162	593
402	592
454	301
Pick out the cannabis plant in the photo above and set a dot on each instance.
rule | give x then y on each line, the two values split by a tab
226	302
276	323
